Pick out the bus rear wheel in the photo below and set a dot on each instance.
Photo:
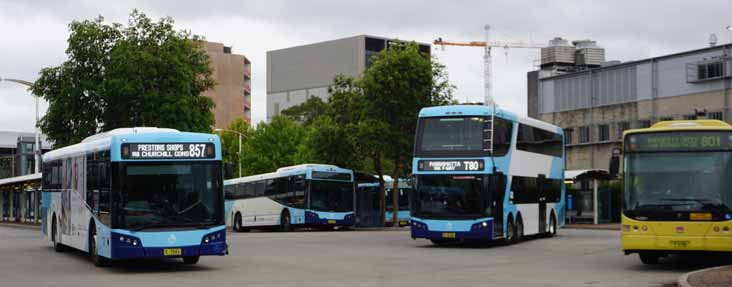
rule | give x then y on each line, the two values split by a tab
649	258
510	231
191	260
285	221
54	239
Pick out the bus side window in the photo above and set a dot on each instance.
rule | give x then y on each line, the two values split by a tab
270	189
298	187
259	188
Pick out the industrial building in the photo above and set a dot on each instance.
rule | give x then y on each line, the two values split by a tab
20	193
298	73
594	101
233	92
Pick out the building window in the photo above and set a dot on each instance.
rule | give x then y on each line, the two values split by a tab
715	116
584	134
643	124
568	137
690	117
622	126
705	70
603	133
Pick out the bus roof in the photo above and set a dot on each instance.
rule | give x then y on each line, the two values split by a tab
683	125
103	141
480	110
289	170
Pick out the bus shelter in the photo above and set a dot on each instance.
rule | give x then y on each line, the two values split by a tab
590	197
20	199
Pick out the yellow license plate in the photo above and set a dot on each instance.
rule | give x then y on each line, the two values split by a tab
448	235
172	252
402	223
331	222
700	216
680	243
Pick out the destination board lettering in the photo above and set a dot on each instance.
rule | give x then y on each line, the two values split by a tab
679	141
450	165
168	151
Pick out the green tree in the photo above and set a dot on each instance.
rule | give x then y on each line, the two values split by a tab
306	112
272	145
327	142
400	82
230	143
141	74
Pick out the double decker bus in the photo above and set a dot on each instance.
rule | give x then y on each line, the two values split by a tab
134	193
483	173
405	189
677	198
307	195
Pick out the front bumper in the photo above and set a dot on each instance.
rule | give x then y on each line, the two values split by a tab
471	231
139	252
312	218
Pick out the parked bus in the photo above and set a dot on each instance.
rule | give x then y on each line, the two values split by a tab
677	198
482	173
404	191
136	193
308	195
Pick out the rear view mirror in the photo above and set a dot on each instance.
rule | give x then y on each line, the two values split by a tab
614	166
228	170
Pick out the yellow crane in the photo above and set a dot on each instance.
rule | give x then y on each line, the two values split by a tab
487	60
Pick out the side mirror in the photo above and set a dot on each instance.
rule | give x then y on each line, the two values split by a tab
614	167
228	170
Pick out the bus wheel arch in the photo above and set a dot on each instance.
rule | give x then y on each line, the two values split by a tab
285	220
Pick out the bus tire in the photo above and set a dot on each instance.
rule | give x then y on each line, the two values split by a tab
519	229
237	223
54	233
552	228
649	258
510	230
191	260
98	260
285	221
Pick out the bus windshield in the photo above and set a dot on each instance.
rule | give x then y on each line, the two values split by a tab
166	195
403	198
678	181
448	196
333	196
451	134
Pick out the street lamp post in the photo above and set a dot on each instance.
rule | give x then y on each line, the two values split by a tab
240	135
37	149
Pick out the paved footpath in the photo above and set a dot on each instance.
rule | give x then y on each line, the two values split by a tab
713	277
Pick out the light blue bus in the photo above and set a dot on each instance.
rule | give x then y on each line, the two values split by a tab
134	193
405	189
307	195
482	173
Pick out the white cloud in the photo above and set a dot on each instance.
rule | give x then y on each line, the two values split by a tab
35	33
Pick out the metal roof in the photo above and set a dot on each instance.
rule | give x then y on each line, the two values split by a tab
22	178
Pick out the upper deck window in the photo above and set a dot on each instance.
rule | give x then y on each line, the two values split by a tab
463	136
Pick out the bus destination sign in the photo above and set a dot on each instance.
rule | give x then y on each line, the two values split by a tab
450	165
678	141
141	151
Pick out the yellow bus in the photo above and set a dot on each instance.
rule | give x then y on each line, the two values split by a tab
677	189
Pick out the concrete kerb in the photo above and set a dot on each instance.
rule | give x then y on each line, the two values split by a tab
684	279
21	225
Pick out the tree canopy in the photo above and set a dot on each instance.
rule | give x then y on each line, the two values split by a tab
141	74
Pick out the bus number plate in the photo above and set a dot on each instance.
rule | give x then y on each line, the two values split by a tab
448	235
331	221
680	243
172	252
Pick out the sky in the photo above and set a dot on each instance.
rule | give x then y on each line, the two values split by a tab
34	35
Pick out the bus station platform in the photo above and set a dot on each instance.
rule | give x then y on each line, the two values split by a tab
20	199
710	277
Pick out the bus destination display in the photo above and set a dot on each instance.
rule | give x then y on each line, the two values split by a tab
167	151
450	165
678	141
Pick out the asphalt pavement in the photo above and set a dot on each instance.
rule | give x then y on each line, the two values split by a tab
345	258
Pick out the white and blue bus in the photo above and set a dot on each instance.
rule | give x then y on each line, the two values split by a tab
405	189
308	195
482	173
134	193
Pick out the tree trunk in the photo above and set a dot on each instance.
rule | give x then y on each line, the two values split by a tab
395	194
382	195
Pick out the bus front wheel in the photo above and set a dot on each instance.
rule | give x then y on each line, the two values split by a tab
649	258
54	239
237	223
96	258
510	231
191	260
285	221
552	226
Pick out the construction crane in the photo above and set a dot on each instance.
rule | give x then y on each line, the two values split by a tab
487	60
